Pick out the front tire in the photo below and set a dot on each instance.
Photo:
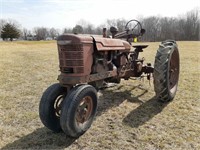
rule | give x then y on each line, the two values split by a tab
78	110
50	106
166	71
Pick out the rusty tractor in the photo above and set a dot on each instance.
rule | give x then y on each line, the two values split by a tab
87	63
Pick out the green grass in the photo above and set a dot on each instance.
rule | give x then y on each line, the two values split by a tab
129	117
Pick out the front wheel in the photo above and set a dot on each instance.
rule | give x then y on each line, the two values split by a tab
78	111
166	71
50	106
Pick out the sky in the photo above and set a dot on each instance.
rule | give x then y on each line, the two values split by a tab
66	13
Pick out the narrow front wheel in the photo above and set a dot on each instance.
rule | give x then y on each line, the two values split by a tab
50	106
78	110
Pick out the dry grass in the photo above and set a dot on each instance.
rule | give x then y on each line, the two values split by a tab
128	115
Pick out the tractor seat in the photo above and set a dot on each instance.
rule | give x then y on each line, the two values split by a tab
140	46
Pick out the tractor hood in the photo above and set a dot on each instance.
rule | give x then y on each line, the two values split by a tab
102	44
67	39
107	44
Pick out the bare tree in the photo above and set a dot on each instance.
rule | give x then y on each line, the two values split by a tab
88	28
41	33
99	29
67	30
167	28
152	26
53	33
192	25
121	24
25	33
186	27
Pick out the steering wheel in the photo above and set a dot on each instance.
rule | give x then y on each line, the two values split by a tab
134	26
133	29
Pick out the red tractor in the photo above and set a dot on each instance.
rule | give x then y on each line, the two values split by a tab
87	63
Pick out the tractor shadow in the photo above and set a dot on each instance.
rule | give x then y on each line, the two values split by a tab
146	110
42	138
114	97
144	113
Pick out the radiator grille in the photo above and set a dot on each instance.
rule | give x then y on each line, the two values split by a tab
73	55
72	47
72	70
74	62
61	63
71	58
79	70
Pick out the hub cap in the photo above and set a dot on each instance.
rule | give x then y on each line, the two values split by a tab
58	105
84	110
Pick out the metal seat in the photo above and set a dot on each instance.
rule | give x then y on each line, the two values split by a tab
140	46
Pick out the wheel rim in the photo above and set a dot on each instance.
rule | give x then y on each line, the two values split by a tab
58	105
174	71
84	110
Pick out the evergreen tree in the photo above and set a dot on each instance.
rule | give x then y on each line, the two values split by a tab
77	29
9	31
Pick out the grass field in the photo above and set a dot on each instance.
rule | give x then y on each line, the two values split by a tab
129	117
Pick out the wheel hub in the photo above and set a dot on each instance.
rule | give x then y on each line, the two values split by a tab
84	110
174	70
58	105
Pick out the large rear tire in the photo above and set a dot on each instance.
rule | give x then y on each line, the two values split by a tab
166	71
50	106
78	111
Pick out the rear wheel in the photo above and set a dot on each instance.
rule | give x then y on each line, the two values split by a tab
166	71
50	106
78	110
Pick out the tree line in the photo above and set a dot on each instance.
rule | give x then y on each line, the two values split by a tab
181	29
186	27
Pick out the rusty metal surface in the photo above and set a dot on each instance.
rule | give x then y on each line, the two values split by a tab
75	54
73	39
106	44
174	70
72	80
84	110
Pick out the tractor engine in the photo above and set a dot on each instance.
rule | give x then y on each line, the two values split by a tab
85	59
